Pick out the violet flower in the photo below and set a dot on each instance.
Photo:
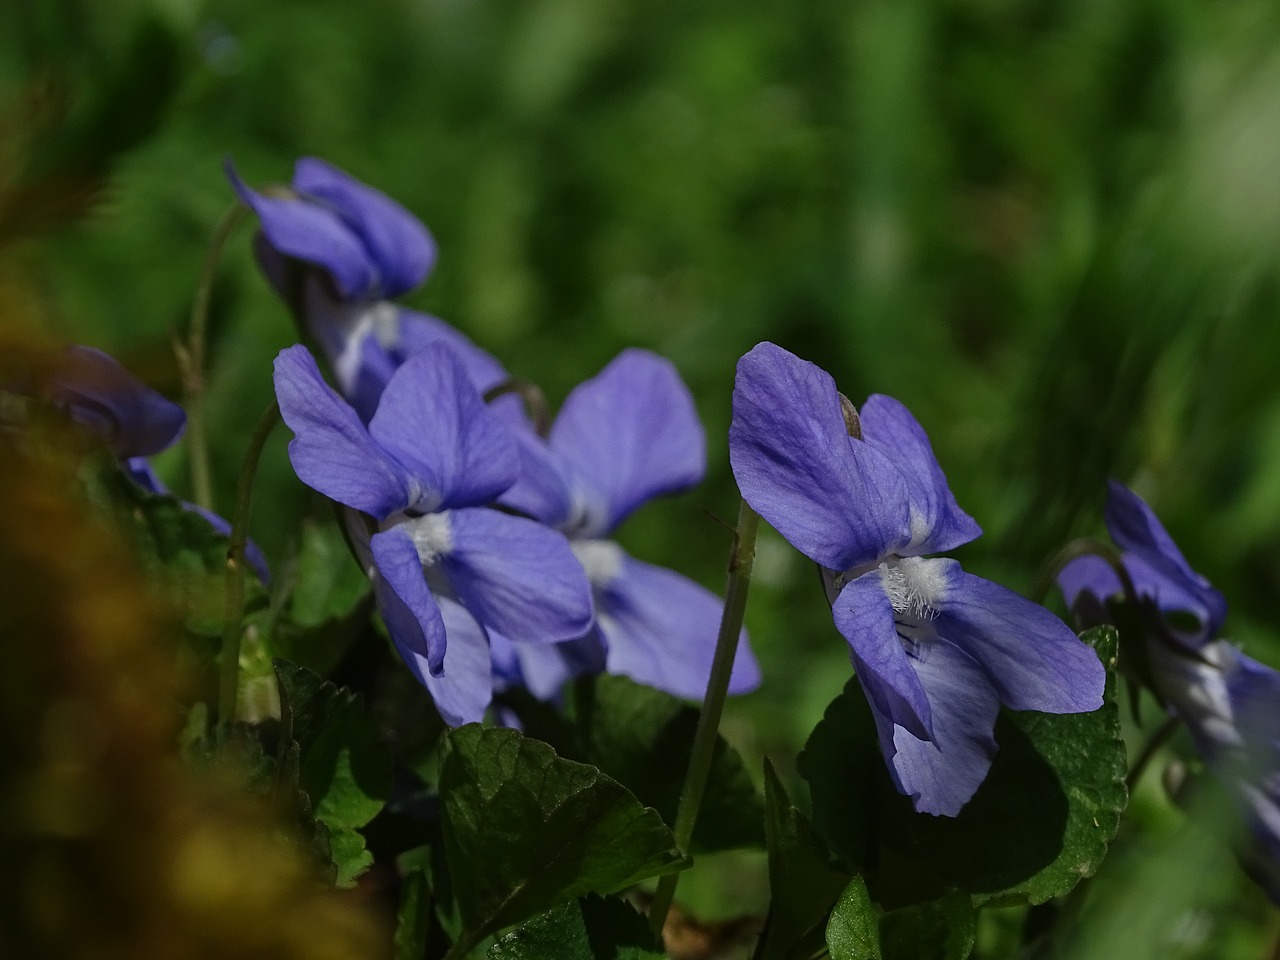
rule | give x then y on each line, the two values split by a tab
935	649
447	571
622	438
358	250
1229	701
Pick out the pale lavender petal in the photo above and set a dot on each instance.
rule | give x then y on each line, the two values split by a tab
1031	658
517	577
313	233
399	245
464	687
417	330
411	611
543	489
942	775
1136	530
1089	574
630	434
838	501
865	618
937	522
331	451
544	669
660	629
433	421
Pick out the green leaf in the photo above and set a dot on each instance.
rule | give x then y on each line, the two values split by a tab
1041	821
642	738
525	829
803	884
852	932
588	929
413	918
344	767
939	930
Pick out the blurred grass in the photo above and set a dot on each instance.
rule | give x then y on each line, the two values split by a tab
1050	228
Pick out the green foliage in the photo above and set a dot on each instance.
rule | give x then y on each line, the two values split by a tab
525	829
413	919
1040	822
938	930
343	766
852	933
591	928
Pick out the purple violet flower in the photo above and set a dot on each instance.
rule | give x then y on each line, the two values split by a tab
627	435
1229	701
361	249
936	650
448	572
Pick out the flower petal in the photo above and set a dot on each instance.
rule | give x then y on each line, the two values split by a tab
517	577
411	611
1032	658
544	669
543	489
464	688
838	501
315	234
629	434
400	247
865	618
937	522
1088	574
331	451
942	775
416	330
660	629
431	418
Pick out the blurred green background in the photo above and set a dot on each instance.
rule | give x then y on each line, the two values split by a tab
1051	228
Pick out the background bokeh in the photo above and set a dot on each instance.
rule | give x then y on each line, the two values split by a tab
1051	228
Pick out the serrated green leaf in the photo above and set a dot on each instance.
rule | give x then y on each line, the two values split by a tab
853	930
525	829
413	918
803	884
350	855
1041	821
938	930
642	738
588	929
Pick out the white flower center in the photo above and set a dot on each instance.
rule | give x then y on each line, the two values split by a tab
914	586
432	535
601	559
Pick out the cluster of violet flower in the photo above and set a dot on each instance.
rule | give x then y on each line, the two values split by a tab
1229	702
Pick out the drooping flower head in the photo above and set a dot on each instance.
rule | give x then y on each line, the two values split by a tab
935	649
355	250
622	438
1229	701
448	571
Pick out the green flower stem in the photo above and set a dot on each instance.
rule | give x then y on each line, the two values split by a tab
229	677
191	357
704	739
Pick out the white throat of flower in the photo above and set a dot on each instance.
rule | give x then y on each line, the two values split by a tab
601	560
915	586
432	535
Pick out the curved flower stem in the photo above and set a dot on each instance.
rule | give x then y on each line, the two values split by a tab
704	739
229	672
191	357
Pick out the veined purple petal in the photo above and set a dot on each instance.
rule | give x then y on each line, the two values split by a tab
838	501
1137	531
629	434
942	775
107	400
865	618
331	451
417	330
1088	574
398	244
937	522
660	629
432	420
516	576
315	234
1029	656
544	669
411	611
464	688
543	490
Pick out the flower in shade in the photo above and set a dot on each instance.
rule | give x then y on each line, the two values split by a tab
1229	701
935	649
622	438
134	422
338	252
448	571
